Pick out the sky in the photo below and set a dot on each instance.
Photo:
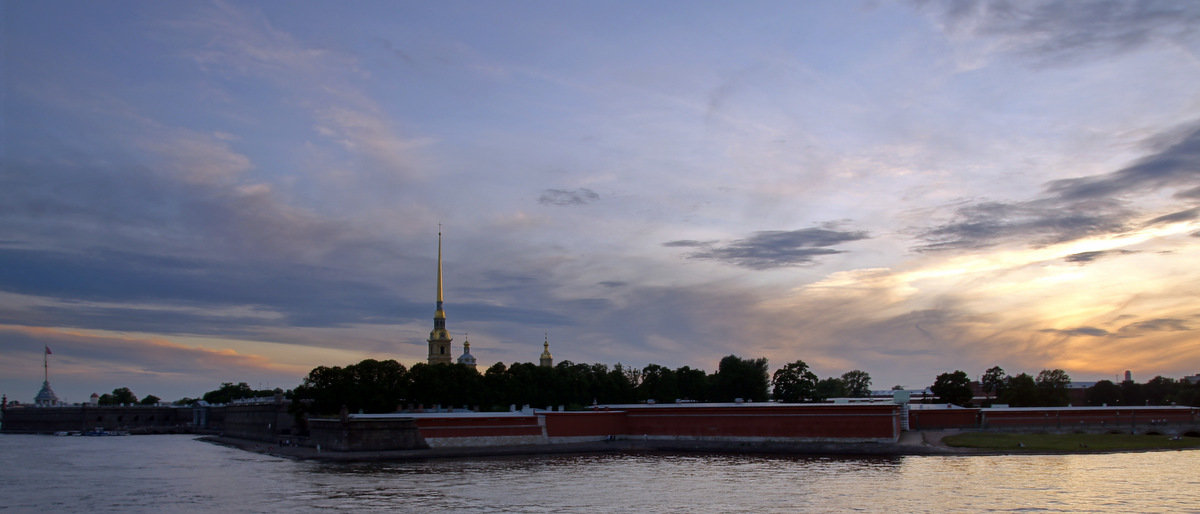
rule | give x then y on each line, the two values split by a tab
202	192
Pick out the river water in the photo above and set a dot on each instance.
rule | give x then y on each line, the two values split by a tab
175	473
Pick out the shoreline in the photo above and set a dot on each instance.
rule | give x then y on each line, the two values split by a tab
905	446
917	443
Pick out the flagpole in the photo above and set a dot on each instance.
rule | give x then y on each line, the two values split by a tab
46	366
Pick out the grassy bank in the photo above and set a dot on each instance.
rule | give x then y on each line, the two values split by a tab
1068	442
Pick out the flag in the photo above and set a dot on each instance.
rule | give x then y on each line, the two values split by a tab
48	352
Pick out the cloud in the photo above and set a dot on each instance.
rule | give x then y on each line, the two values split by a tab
1062	31
1177	217
1138	329
1193	193
1177	165
91	361
1153	325
773	248
1087	257
123	204
236	40
1079	331
1042	222
688	243
581	196
107	289
1076	208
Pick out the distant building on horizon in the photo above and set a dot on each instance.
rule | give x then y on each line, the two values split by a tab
439	337
466	358
546	360
46	396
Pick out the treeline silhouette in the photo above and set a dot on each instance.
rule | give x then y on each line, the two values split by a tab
1050	389
374	386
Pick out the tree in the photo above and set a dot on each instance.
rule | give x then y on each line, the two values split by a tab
794	383
1132	394
693	383
229	392
1160	390
858	383
992	381
953	388
1052	387
1020	391
658	383
150	400
1104	392
829	388
370	386
123	396
740	378
1188	394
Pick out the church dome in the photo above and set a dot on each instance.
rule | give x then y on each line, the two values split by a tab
46	396
466	358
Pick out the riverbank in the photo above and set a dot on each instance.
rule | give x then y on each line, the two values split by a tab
913	444
1067	442
927	442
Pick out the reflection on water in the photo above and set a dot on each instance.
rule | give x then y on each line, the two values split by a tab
171	473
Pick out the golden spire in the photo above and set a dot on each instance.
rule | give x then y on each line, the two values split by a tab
440	313
439	337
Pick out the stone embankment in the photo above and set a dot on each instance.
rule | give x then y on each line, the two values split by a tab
913	443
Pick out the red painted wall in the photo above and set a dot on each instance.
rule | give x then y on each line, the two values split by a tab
581	424
782	421
806	421
478	426
1067	418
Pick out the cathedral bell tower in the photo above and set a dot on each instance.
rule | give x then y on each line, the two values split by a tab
546	361
439	337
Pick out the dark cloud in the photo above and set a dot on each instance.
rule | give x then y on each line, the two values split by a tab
686	243
1080	331
121	204
581	196
1063	31
1193	193
1176	217
1153	325
1075	208
1177	165
291	294
774	248
1042	221
613	283
1087	257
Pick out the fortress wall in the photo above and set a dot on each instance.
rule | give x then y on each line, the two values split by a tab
758	423
264	421
480	426
48	420
941	419
1136	418
585	426
366	434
